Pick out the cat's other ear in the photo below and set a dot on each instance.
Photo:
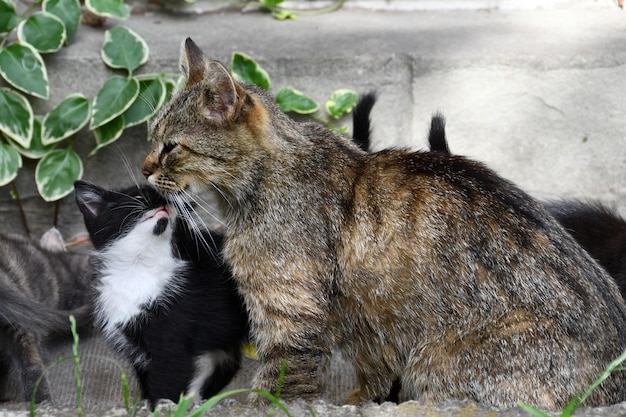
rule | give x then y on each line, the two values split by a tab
192	62
89	198
221	99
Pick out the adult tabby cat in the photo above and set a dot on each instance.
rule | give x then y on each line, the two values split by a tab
420	266
164	299
597	228
40	286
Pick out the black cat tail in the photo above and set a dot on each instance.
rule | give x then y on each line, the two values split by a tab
361	122
437	134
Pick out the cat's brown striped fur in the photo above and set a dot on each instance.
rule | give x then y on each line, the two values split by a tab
422	267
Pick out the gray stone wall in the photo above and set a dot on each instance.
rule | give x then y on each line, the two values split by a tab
538	95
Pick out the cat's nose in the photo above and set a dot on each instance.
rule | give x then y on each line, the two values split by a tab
147	168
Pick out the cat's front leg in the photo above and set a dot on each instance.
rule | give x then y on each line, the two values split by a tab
291	375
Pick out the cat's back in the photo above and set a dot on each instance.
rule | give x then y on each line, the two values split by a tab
471	235
58	279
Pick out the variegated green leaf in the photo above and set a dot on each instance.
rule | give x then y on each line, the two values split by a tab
114	98
108	8
43	31
65	119
108	133
16	117
246	70
124	48
290	99
8	16
56	172
151	97
36	150
10	163
23	68
68	11
341	102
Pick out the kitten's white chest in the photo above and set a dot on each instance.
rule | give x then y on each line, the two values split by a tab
135	272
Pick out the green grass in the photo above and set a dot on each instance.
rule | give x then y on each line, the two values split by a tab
578	400
185	406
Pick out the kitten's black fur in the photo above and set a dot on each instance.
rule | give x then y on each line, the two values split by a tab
597	228
187	336
39	288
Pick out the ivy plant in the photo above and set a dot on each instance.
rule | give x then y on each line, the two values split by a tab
341	102
124	100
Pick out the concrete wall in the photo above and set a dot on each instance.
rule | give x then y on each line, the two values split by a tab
538	95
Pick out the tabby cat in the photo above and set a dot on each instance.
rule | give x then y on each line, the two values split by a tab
40	286
597	228
164	298
423	267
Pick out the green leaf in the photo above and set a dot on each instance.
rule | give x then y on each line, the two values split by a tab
171	86
270	3
341	102
246	70
124	48
56	172
108	8
151	97
16	117
290	99
22	66
68	11
65	119
8	16
114	98
43	31
10	163
36	150
108	133
282	14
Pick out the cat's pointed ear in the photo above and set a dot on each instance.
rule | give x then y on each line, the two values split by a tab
89	198
192	62
221	99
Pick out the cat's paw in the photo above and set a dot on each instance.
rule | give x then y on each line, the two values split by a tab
257	400
354	398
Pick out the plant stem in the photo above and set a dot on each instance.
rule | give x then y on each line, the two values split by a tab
79	385
57	207
16	195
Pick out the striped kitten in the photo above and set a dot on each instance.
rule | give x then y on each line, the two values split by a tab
40	286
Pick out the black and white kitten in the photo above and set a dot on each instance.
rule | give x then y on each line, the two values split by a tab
40	286
163	298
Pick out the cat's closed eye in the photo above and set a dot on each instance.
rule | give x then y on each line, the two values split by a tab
167	148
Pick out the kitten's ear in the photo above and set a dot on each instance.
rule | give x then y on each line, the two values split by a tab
192	62
89	198
221	100
53	241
